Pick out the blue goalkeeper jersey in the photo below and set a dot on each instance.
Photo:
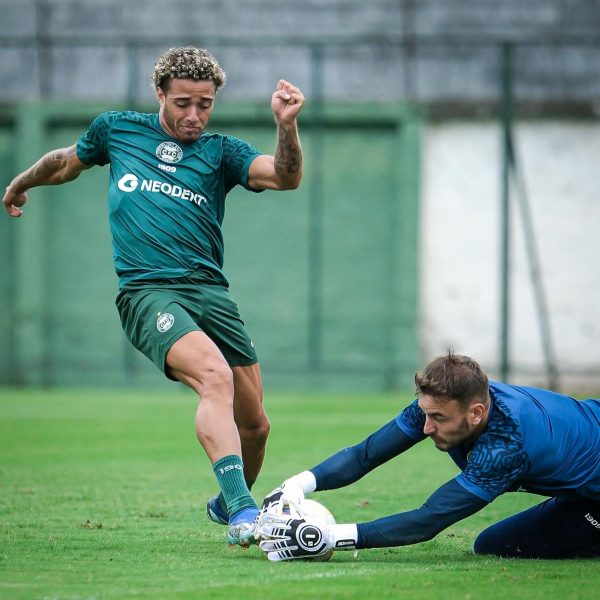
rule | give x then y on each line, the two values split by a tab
166	198
535	440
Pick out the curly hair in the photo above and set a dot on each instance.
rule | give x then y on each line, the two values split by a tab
187	63
454	377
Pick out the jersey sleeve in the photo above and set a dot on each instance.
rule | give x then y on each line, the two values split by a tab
494	466
92	146
237	157
411	421
447	505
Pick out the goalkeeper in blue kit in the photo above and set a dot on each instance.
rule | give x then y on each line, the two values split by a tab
504	438
166	202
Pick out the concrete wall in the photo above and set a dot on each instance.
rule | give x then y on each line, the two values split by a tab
460	250
104	49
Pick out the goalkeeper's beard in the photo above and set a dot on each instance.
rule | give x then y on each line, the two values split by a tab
454	439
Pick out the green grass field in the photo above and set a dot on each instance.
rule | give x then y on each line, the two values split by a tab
102	495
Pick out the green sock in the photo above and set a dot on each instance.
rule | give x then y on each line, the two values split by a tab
221	501
221	498
229	472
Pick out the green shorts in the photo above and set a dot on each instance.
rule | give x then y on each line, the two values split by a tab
155	316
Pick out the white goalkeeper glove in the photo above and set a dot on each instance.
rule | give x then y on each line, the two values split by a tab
289	538
289	494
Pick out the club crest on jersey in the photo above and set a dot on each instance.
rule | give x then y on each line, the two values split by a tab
164	322
169	152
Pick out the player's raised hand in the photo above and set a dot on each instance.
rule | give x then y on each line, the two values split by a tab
287	538
13	201
286	102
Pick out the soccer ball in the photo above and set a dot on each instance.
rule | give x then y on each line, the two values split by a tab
311	510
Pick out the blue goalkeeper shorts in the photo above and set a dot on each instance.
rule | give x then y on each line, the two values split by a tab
556	528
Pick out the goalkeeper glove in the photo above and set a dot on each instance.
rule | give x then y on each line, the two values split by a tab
288	538
290	493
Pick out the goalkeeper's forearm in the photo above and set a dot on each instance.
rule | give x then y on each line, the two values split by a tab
447	505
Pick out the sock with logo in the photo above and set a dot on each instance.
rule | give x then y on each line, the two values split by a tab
229	472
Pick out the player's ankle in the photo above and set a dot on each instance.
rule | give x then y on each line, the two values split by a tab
246	515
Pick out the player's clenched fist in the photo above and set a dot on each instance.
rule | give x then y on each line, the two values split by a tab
13	201
287	101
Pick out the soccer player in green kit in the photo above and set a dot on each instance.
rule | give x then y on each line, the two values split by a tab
167	188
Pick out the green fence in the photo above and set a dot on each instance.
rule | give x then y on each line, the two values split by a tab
325	276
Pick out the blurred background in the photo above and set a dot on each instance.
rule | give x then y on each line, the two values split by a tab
450	197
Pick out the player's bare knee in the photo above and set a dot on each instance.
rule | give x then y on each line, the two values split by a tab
217	377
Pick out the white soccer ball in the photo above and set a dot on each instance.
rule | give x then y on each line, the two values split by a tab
311	510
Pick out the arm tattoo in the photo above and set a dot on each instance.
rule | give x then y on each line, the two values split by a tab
50	169
288	154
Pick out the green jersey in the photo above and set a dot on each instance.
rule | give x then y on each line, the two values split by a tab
166	198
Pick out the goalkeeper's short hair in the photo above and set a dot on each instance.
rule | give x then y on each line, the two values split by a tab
455	377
